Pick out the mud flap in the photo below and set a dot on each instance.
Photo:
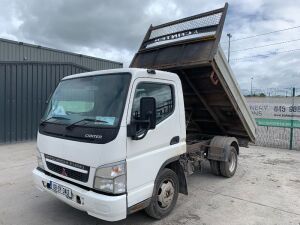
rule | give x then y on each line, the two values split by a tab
218	153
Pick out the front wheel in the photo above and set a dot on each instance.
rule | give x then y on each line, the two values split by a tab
228	168
164	195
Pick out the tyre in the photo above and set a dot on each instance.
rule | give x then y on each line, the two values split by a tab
228	168
215	167
164	195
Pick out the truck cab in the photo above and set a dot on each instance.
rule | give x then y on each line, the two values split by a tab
83	144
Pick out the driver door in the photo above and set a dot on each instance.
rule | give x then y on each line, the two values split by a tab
146	156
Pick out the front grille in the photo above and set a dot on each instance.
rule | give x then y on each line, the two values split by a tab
83	177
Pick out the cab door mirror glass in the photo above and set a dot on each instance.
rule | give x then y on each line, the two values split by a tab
148	112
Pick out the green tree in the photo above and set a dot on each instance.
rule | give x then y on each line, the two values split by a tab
262	95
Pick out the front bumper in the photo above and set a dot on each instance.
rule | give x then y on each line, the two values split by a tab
110	208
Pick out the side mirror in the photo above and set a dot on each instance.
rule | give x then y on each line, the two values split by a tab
148	112
139	128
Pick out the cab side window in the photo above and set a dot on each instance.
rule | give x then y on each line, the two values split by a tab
163	94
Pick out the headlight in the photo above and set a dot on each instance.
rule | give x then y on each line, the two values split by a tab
39	159
111	178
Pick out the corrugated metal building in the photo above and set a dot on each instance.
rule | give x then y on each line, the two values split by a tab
28	75
19	51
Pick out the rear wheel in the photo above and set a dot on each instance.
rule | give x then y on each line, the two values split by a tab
215	167
165	194
228	168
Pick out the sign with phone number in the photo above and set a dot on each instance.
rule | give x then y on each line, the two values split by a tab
276	114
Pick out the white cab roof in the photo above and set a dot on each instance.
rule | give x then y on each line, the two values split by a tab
136	72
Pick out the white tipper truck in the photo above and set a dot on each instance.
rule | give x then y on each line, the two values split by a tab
117	141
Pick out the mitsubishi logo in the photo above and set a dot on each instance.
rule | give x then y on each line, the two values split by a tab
63	172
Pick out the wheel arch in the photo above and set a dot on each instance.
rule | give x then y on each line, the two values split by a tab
220	147
174	164
223	141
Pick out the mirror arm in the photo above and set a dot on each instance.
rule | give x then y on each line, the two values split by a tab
135	135
140	121
131	128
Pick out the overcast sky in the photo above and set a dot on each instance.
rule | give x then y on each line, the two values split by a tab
114	30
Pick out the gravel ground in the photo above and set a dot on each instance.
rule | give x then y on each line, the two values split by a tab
264	190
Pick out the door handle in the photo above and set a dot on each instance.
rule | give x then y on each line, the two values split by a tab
174	140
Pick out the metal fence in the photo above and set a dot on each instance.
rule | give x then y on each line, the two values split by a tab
278	120
24	89
271	92
277	137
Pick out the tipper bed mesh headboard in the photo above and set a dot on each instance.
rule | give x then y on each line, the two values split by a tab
204	27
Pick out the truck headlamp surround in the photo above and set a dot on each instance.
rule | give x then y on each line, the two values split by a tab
111	178
39	159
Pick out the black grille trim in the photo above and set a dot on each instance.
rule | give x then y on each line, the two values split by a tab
69	163
83	177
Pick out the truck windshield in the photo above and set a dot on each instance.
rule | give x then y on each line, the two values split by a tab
89	101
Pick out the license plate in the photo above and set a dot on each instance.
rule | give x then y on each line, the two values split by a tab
60	189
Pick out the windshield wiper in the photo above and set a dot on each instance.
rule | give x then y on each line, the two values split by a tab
53	117
72	125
